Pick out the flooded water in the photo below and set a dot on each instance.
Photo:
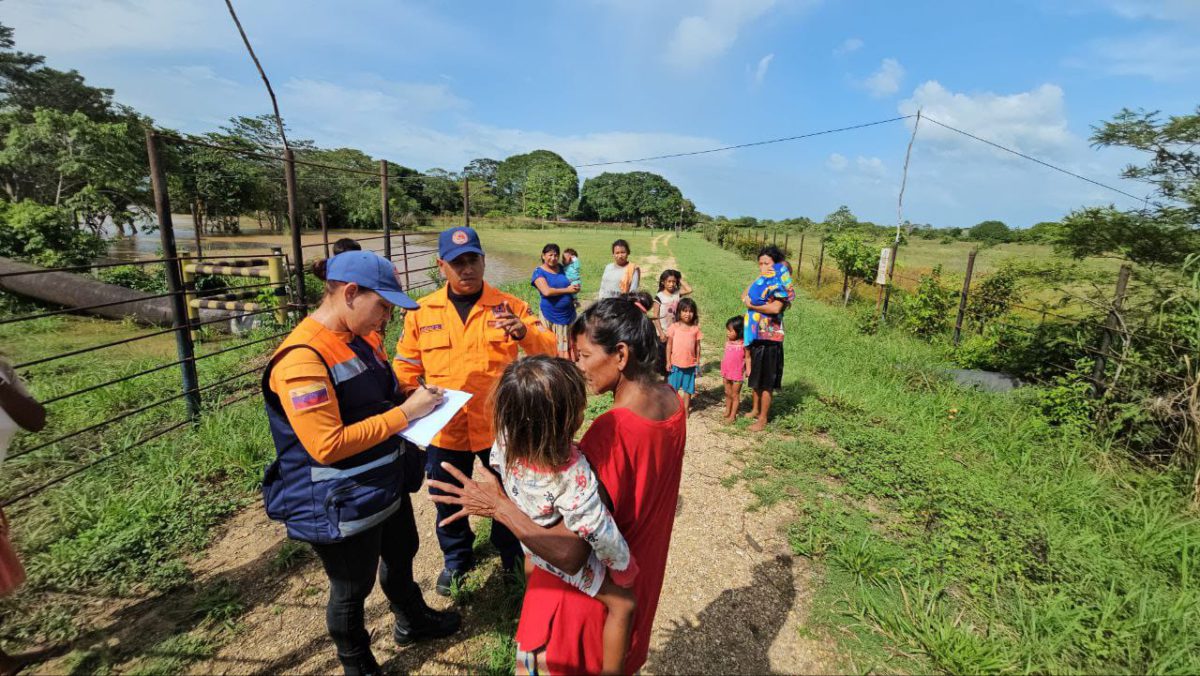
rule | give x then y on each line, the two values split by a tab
501	267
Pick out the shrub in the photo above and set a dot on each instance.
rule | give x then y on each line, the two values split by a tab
137	277
927	310
45	235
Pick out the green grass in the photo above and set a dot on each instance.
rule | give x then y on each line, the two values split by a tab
958	530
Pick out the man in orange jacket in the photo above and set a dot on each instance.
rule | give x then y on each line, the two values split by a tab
462	338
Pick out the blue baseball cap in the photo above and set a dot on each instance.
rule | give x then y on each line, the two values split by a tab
455	242
370	271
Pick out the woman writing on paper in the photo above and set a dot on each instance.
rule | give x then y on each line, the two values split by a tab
342	476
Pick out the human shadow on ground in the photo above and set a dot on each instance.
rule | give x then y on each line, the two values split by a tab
139	628
733	635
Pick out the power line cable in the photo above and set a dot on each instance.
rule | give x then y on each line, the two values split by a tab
747	145
1036	160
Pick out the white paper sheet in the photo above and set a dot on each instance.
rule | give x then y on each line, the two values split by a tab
423	430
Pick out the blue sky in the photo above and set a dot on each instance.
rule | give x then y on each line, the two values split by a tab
435	84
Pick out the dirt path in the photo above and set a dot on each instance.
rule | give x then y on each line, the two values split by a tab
734	599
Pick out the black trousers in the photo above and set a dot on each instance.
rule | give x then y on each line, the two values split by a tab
351	566
457	539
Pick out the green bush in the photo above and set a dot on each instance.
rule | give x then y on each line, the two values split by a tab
137	277
927	310
45	235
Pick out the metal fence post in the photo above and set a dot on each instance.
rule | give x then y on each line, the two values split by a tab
166	231
289	174
324	227
962	298
887	290
466	205
820	262
1110	327
385	209
277	274
404	255
188	277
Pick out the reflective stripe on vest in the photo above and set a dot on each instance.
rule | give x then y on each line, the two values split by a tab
348	528
347	370
327	473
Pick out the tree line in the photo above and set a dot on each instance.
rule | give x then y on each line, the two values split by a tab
73	170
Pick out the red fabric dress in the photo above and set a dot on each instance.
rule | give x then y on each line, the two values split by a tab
639	461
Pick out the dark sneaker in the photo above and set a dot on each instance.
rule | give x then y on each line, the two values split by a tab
362	666
448	580
419	622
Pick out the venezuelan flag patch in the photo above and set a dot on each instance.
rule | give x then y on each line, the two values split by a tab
309	396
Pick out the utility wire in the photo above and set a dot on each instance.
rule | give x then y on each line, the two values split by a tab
1036	160
748	145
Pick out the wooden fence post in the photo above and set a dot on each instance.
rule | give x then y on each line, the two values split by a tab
962	298
820	262
1110	327
466	206
887	291
800	258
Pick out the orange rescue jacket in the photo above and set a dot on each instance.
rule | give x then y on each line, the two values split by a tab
469	357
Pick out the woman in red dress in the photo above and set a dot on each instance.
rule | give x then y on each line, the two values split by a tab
638	457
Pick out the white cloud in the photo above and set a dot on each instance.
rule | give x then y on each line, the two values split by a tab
760	73
1161	10
700	38
1156	56
887	80
837	162
870	166
1034	122
849	46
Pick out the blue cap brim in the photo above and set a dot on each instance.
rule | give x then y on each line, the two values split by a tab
399	299
458	251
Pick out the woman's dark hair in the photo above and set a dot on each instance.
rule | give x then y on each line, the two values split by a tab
346	244
551	247
623	319
688	304
621	242
320	269
736	323
772	251
667	274
538	407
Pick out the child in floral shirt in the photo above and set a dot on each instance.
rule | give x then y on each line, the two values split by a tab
539	405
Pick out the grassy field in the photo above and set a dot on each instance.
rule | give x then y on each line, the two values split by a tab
956	531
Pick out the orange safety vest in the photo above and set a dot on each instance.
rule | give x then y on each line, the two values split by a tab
468	356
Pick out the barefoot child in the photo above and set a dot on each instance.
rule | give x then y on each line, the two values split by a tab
683	349
735	365
539	406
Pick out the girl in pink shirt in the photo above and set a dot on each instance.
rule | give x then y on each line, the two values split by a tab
735	365
683	349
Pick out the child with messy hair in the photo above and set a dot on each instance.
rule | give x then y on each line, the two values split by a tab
539	406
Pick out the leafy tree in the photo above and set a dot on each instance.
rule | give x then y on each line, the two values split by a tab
634	196
483	170
27	85
839	221
514	171
990	232
854	257
1168	228
441	193
97	169
45	235
1041	233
